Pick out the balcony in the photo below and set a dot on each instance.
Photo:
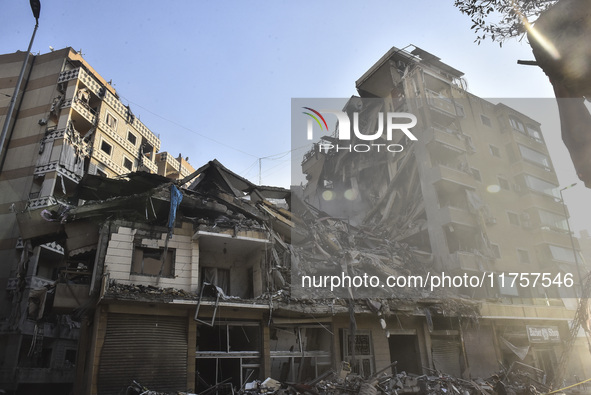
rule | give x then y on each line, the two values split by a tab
524	139
466	261
540	200
441	173
546	235
457	215
40	202
443	110
147	163
81	109
445	136
525	167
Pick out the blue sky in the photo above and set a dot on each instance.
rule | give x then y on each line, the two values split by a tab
215	78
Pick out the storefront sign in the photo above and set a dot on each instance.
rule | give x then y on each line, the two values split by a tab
543	334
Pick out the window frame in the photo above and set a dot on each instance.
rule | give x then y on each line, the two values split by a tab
111	146
168	270
108	117
134	142
494	151
486	121
513	215
125	158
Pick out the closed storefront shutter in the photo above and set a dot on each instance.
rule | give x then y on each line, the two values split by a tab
447	355
149	349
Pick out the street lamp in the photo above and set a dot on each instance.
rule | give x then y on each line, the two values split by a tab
572	240
36	8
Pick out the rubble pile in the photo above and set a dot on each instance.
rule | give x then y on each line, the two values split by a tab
387	384
133	291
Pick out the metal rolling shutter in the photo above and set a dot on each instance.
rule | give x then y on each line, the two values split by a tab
446	355
149	349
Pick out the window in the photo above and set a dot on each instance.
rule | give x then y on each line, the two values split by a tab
131	138
504	184
101	173
535	157
494	151
127	163
106	147
70	357
513	218
300	351
523	256
496	251
148	261
111	121
505	285
216	276
562	254
553	221
485	120
541	186
229	352
476	174
516	124
534	132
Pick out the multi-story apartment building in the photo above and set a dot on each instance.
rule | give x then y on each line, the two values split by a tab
477	190
68	121
173	168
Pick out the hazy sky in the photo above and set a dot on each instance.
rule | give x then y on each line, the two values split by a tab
215	78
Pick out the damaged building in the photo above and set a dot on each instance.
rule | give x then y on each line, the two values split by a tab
189	289
191	280
68	122
478	192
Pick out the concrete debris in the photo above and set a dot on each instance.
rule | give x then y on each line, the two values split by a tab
390	384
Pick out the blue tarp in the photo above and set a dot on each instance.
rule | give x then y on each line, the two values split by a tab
176	197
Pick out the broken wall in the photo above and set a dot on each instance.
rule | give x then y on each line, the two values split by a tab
125	243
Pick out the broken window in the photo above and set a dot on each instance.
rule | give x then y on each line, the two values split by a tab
128	164
300	353
216	276
131	138
148	261
111	121
227	350
106	147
